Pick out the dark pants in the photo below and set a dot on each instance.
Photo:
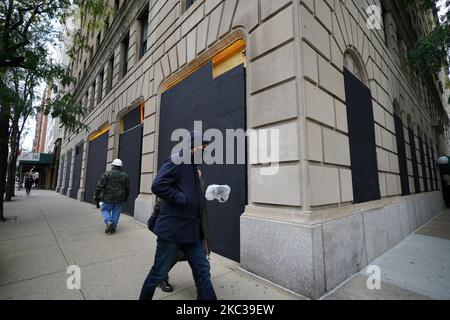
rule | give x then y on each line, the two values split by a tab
166	253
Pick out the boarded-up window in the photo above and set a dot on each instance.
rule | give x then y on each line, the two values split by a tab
401	148
424	165
362	140
412	145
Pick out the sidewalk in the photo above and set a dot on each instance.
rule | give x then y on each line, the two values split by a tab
416	269
53	232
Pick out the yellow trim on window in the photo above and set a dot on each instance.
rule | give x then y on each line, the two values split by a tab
98	133
227	59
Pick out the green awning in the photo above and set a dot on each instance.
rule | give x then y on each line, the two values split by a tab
44	159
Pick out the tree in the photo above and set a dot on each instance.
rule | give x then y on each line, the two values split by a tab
26	30
430	54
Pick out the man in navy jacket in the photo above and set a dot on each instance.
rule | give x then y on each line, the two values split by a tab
179	225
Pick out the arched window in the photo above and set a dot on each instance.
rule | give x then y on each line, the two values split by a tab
413	152
401	150
422	159
361	130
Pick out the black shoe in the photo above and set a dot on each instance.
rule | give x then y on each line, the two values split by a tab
166	286
109	228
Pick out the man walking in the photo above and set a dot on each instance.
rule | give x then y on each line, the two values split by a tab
179	224
113	190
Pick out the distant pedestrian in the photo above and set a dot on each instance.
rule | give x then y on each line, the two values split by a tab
28	183
36	179
113	190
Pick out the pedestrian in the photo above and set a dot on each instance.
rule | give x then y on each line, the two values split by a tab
113	190
28	183
179	224
165	284
36	179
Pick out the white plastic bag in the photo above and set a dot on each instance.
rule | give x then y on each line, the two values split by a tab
220	193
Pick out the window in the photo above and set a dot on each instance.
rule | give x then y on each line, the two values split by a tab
110	74
188	4
91	102
101	77
97	43
84	67
107	24
125	54
361	131
85	100
116	5
143	21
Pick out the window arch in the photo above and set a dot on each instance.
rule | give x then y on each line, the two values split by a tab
353	63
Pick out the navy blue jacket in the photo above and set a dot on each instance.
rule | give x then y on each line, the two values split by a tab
179	216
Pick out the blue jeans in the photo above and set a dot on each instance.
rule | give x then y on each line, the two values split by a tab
166	252
111	213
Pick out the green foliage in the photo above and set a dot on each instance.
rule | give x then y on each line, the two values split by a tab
26	30
430	53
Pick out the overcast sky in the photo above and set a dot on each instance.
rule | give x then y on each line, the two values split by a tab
28	137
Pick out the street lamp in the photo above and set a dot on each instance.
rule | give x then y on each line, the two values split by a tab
443	160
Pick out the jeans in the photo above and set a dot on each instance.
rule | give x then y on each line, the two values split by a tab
166	252
111	213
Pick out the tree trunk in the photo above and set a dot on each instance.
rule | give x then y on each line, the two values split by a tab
14	147
4	139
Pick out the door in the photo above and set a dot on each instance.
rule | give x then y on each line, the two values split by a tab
68	172
361	130
96	165
130	152
220	104
77	170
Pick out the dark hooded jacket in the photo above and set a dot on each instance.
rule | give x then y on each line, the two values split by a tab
183	202
182	216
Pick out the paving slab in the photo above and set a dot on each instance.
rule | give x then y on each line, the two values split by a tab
30	264
49	287
356	289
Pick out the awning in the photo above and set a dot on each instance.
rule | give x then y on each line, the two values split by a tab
36	159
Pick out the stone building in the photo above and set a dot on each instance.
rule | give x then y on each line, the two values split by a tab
360	132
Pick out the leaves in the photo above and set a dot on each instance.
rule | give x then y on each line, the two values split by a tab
26	30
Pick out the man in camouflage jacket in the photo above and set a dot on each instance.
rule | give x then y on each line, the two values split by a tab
113	190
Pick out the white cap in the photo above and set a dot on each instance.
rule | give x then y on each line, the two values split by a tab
117	163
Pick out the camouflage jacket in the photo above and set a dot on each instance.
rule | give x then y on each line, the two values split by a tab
113	187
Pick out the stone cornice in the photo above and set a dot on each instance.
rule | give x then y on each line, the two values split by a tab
121	24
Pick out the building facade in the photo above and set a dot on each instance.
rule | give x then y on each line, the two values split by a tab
359	131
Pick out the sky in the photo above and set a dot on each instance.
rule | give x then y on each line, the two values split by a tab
28	137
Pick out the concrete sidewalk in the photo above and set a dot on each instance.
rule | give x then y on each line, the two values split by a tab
418	268
53	232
